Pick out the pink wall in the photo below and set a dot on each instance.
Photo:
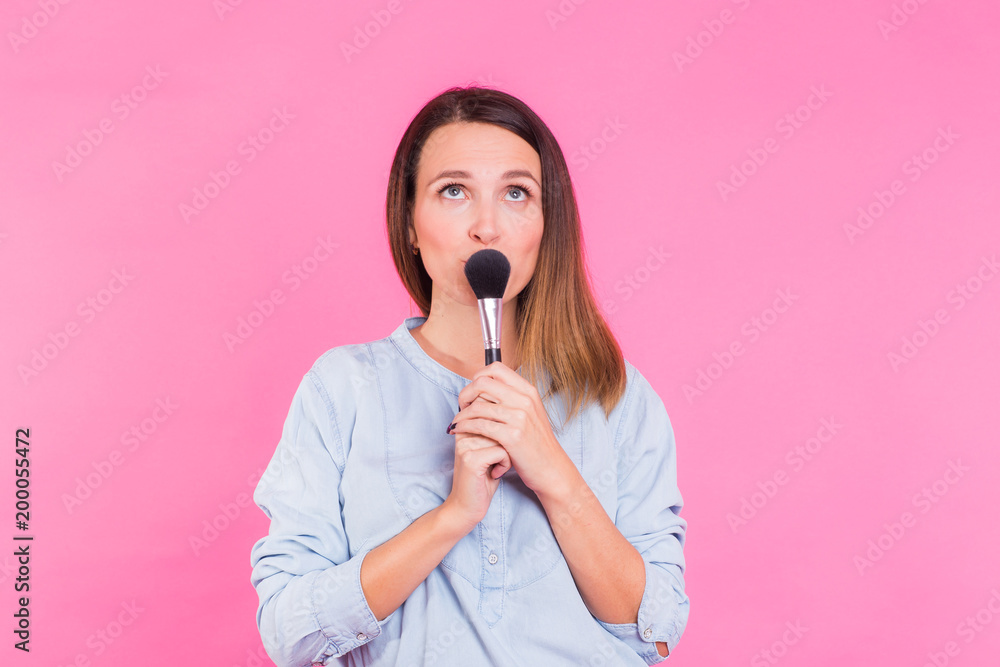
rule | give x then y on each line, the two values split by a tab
838	468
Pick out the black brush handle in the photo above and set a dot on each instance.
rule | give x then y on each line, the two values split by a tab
492	354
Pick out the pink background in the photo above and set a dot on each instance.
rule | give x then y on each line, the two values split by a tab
649	136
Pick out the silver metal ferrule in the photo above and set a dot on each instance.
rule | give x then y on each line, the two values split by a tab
490	311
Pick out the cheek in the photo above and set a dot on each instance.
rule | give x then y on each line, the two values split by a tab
529	252
441	250
429	230
533	237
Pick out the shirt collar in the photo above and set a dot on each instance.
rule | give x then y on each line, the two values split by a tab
448	380
410	350
422	362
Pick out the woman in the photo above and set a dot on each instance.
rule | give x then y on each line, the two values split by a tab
428	510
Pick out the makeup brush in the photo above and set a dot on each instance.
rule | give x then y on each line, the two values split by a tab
487	272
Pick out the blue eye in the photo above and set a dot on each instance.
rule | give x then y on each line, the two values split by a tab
449	186
526	192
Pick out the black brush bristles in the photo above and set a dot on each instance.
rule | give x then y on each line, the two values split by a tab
487	272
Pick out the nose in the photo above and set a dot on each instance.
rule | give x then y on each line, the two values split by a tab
484	227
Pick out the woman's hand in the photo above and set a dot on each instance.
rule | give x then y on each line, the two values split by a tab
479	463
511	415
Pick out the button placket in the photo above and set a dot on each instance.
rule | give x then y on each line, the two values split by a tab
493	550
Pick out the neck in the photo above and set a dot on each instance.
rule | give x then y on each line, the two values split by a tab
453	336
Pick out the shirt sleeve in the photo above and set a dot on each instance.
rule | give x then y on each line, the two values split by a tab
648	515
311	608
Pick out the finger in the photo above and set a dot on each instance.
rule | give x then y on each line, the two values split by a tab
500	371
487	428
500	468
480	460
472	393
476	400
496	375
496	369
461	409
471	441
481	409
498	460
492	389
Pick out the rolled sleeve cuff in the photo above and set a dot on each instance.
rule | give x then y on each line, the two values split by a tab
341	610
662	617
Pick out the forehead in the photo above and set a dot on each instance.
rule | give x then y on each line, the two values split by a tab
479	148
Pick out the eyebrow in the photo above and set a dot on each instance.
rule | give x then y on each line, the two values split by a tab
509	174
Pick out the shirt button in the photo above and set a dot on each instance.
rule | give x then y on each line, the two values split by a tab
647	633
362	636
493	559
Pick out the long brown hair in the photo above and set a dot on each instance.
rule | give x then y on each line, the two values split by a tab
560	329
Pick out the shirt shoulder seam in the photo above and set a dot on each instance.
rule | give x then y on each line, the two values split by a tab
630	374
331	414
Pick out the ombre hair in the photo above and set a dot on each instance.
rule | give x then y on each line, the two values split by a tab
561	333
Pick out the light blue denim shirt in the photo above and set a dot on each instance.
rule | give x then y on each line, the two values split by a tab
364	452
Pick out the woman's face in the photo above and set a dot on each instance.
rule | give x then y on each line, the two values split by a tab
478	186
